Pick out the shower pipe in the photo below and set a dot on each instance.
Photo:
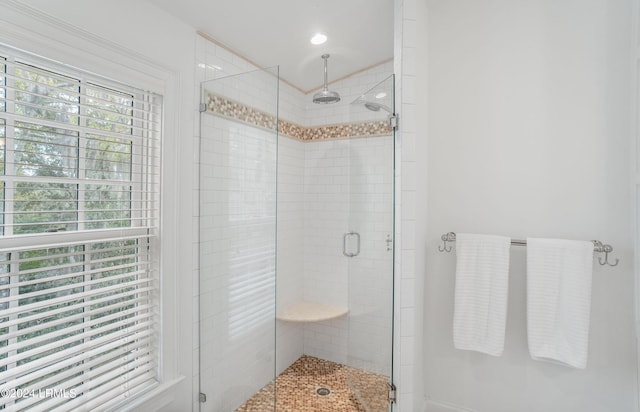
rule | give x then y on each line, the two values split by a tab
598	247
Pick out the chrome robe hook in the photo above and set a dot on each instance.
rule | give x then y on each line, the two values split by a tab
447	237
606	249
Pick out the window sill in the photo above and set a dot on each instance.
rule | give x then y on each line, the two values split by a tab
152	400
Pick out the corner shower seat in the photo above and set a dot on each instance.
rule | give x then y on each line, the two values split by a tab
311	312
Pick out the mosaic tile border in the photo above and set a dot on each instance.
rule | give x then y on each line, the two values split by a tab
231	109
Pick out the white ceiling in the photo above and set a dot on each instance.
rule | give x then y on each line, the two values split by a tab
277	32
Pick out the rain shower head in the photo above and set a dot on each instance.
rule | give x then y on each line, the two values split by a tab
373	106
325	96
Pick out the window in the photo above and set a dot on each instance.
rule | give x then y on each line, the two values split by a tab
79	196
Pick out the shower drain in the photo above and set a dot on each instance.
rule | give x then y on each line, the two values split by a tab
323	391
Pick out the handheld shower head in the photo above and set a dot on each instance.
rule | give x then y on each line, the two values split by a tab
375	107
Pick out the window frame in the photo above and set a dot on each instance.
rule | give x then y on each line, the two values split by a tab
16	243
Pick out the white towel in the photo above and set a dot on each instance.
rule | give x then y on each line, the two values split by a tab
482	283
559	300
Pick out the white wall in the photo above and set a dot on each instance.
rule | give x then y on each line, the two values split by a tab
529	130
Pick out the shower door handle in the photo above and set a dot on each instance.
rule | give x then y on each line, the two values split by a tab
344	244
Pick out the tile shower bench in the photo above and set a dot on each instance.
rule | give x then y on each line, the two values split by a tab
311	312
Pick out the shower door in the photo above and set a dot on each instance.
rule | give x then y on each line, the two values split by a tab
371	268
237	254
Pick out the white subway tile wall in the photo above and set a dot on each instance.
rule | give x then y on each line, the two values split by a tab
408	316
371	273
237	261
290	284
326	203
348	186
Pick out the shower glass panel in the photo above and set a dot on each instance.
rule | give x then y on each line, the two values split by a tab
237	256
371	269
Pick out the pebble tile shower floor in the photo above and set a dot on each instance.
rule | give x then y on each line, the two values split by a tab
297	389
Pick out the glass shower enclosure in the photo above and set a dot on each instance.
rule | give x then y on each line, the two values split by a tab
295	251
237	288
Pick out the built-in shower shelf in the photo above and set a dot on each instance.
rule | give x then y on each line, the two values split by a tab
311	312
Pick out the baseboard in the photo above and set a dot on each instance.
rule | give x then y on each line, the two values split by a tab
436	406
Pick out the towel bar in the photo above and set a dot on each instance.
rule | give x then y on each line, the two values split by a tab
598	247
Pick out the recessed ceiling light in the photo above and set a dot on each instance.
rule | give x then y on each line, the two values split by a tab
381	95
318	38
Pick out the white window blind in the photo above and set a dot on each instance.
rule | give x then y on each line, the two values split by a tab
79	213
